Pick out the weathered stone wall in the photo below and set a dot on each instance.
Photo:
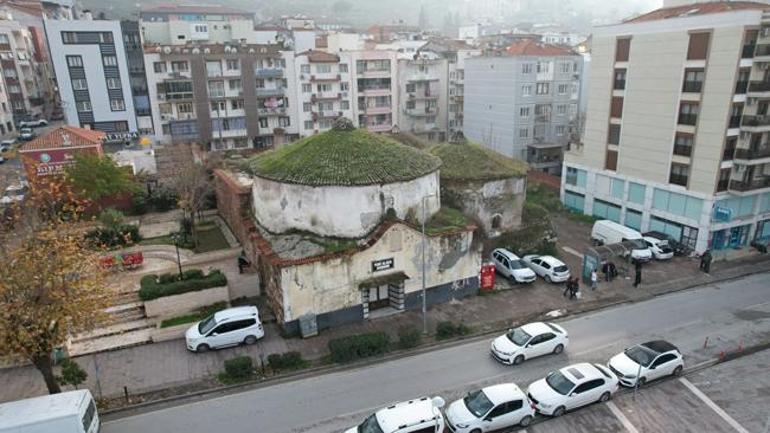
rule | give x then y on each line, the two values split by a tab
484	201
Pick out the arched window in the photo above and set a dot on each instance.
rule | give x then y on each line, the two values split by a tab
497	220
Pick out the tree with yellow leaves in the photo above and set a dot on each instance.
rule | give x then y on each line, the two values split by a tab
51	281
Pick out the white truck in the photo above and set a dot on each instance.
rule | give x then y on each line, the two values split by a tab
68	412
609	232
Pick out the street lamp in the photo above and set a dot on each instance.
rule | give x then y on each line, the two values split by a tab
424	295
175	238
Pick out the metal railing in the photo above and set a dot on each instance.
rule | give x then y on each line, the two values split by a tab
748	51
688	119
759	86
757	120
749	185
757	153
741	87
692	86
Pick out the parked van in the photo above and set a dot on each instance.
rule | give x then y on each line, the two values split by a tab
68	412
229	327
610	232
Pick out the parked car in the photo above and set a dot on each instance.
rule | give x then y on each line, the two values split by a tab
529	341
647	361
660	248
679	248
2	160
610	232
421	415
7	145
229	327
490	409
26	134
512	267
33	123
57	114
550	268
572	387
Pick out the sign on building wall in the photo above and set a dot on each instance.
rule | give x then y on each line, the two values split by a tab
51	162
382	264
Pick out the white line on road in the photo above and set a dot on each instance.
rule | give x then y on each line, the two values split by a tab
621	417
739	428
572	251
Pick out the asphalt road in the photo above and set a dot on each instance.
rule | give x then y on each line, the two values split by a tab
730	314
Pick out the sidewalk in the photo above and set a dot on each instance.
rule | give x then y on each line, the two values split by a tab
161	365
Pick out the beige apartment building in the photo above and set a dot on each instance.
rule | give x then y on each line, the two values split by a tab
676	132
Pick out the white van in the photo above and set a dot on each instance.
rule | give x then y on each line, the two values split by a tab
610	232
68	412
229	327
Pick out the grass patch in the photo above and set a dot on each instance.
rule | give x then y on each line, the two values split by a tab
446	219
210	238
196	316
471	161
339	246
237	370
192	280
446	330
289	361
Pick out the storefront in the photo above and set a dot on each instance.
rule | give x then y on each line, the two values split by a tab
731	238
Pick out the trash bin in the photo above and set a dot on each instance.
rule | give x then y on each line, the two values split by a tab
487	277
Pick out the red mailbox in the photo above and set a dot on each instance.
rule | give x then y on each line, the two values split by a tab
487	277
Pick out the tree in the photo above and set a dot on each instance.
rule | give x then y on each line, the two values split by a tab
192	185
95	176
71	373
112	219
51	282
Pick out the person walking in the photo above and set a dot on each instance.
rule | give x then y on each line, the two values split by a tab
242	261
575	292
705	261
568	288
594	279
638	274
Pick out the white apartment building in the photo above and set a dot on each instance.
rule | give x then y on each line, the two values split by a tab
324	81
375	88
676	133
423	96
22	67
173	24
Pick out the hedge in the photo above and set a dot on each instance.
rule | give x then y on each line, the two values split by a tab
154	286
354	347
409	337
238	369
286	361
445	330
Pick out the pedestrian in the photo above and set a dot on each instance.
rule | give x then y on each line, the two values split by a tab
613	271
638	274
705	261
594	279
242	261
575	293
568	288
606	270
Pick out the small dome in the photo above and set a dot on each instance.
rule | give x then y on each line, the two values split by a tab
344	157
471	161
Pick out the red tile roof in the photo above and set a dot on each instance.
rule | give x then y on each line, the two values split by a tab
531	47
78	137
698	9
321	56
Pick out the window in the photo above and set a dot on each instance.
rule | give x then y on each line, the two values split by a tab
307	107
184	108
576	177
688	113
563	88
574	201
233	65
307	88
305	69
561	110
284	122
213	68
729	152
201	28
679	174
113	83
606	210
159	67
110	60
724	180
677	204
326	87
526	90
616	107
117	105
616	188
526	68
683	144
74	61
622	49
613	134
235	84
79	84
566	67
560	129
611	160
620	79
263	122
636	192
344	87
343	67
83	106
542	88
662	359
218	106
88	417
523	132
308	124
698	47
236	104
344	105
323	69
543	67
633	219
69	37
524	112
216	89
693	80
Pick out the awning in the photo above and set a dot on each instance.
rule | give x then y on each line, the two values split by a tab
394	278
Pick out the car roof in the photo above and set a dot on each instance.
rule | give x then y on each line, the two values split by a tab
230	313
536	328
43	408
506	253
503	392
551	260
660	346
581	372
406	413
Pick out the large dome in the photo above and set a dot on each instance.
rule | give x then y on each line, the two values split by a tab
473	162
344	157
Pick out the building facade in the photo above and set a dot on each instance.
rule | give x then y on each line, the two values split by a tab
522	102
324	82
676	128
375	89
423	96
23	69
172	24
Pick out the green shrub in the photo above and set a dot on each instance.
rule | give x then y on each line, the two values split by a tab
238	369
286	361
350	348
126	234
447	329
71	373
153	286
409	337
192	274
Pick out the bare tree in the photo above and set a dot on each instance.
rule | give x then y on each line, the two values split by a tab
192	185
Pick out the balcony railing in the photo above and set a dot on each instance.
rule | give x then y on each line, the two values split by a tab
740	87
268	73
688	119
753	121
678	179
278	91
762	50
750	185
759	86
735	121
748	51
692	86
758	153
682	150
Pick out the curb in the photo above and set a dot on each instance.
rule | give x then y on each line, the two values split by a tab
429	347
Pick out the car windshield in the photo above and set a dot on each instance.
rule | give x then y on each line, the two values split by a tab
370	425
559	383
561	268
518	264
641	355
206	325
637	244
518	337
478	403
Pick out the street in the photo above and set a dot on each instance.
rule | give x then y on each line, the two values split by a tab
730	314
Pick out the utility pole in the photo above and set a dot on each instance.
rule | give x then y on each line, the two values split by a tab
424	291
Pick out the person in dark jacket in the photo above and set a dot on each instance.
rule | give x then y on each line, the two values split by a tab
243	261
638	273
705	261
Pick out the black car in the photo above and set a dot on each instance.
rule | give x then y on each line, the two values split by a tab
679	248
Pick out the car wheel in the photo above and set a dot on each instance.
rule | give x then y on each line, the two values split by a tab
606	396
527	420
558	349
250	340
476	431
559	411
202	348
642	381
547	278
518	359
678	371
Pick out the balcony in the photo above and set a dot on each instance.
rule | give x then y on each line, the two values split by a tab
175	96
762	51
748	51
423	111
268	73
422	78
266	93
750	185
682	150
328	114
741	87
374	73
692	87
325	77
377	110
383	91
756	123
423	95
325	96
178	75
688	119
539	162
759	86
678	179
271	111
752	154
379	127
735	121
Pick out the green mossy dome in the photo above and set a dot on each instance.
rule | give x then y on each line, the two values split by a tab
471	161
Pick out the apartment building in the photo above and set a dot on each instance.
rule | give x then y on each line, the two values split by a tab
324	82
423	96
676	133
521	102
23	68
93	76
228	96
375	89
174	24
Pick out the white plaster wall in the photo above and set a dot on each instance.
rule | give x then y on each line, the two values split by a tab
322	287
346	212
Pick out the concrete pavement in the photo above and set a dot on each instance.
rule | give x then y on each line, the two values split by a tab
729	314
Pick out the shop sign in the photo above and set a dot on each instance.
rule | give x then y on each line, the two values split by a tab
382	264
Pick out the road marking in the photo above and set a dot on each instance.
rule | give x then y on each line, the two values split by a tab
621	417
572	251
739	428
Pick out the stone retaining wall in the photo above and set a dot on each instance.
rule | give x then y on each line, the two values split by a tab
171	306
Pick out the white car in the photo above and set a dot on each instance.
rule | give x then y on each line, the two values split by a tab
490	409
529	341
229	327
647	361
421	415
512	267
660	248
550	268
572	387
33	123
26	134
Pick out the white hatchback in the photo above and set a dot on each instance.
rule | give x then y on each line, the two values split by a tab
550	268
492	408
421	415
229	327
647	361
529	341
572	387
